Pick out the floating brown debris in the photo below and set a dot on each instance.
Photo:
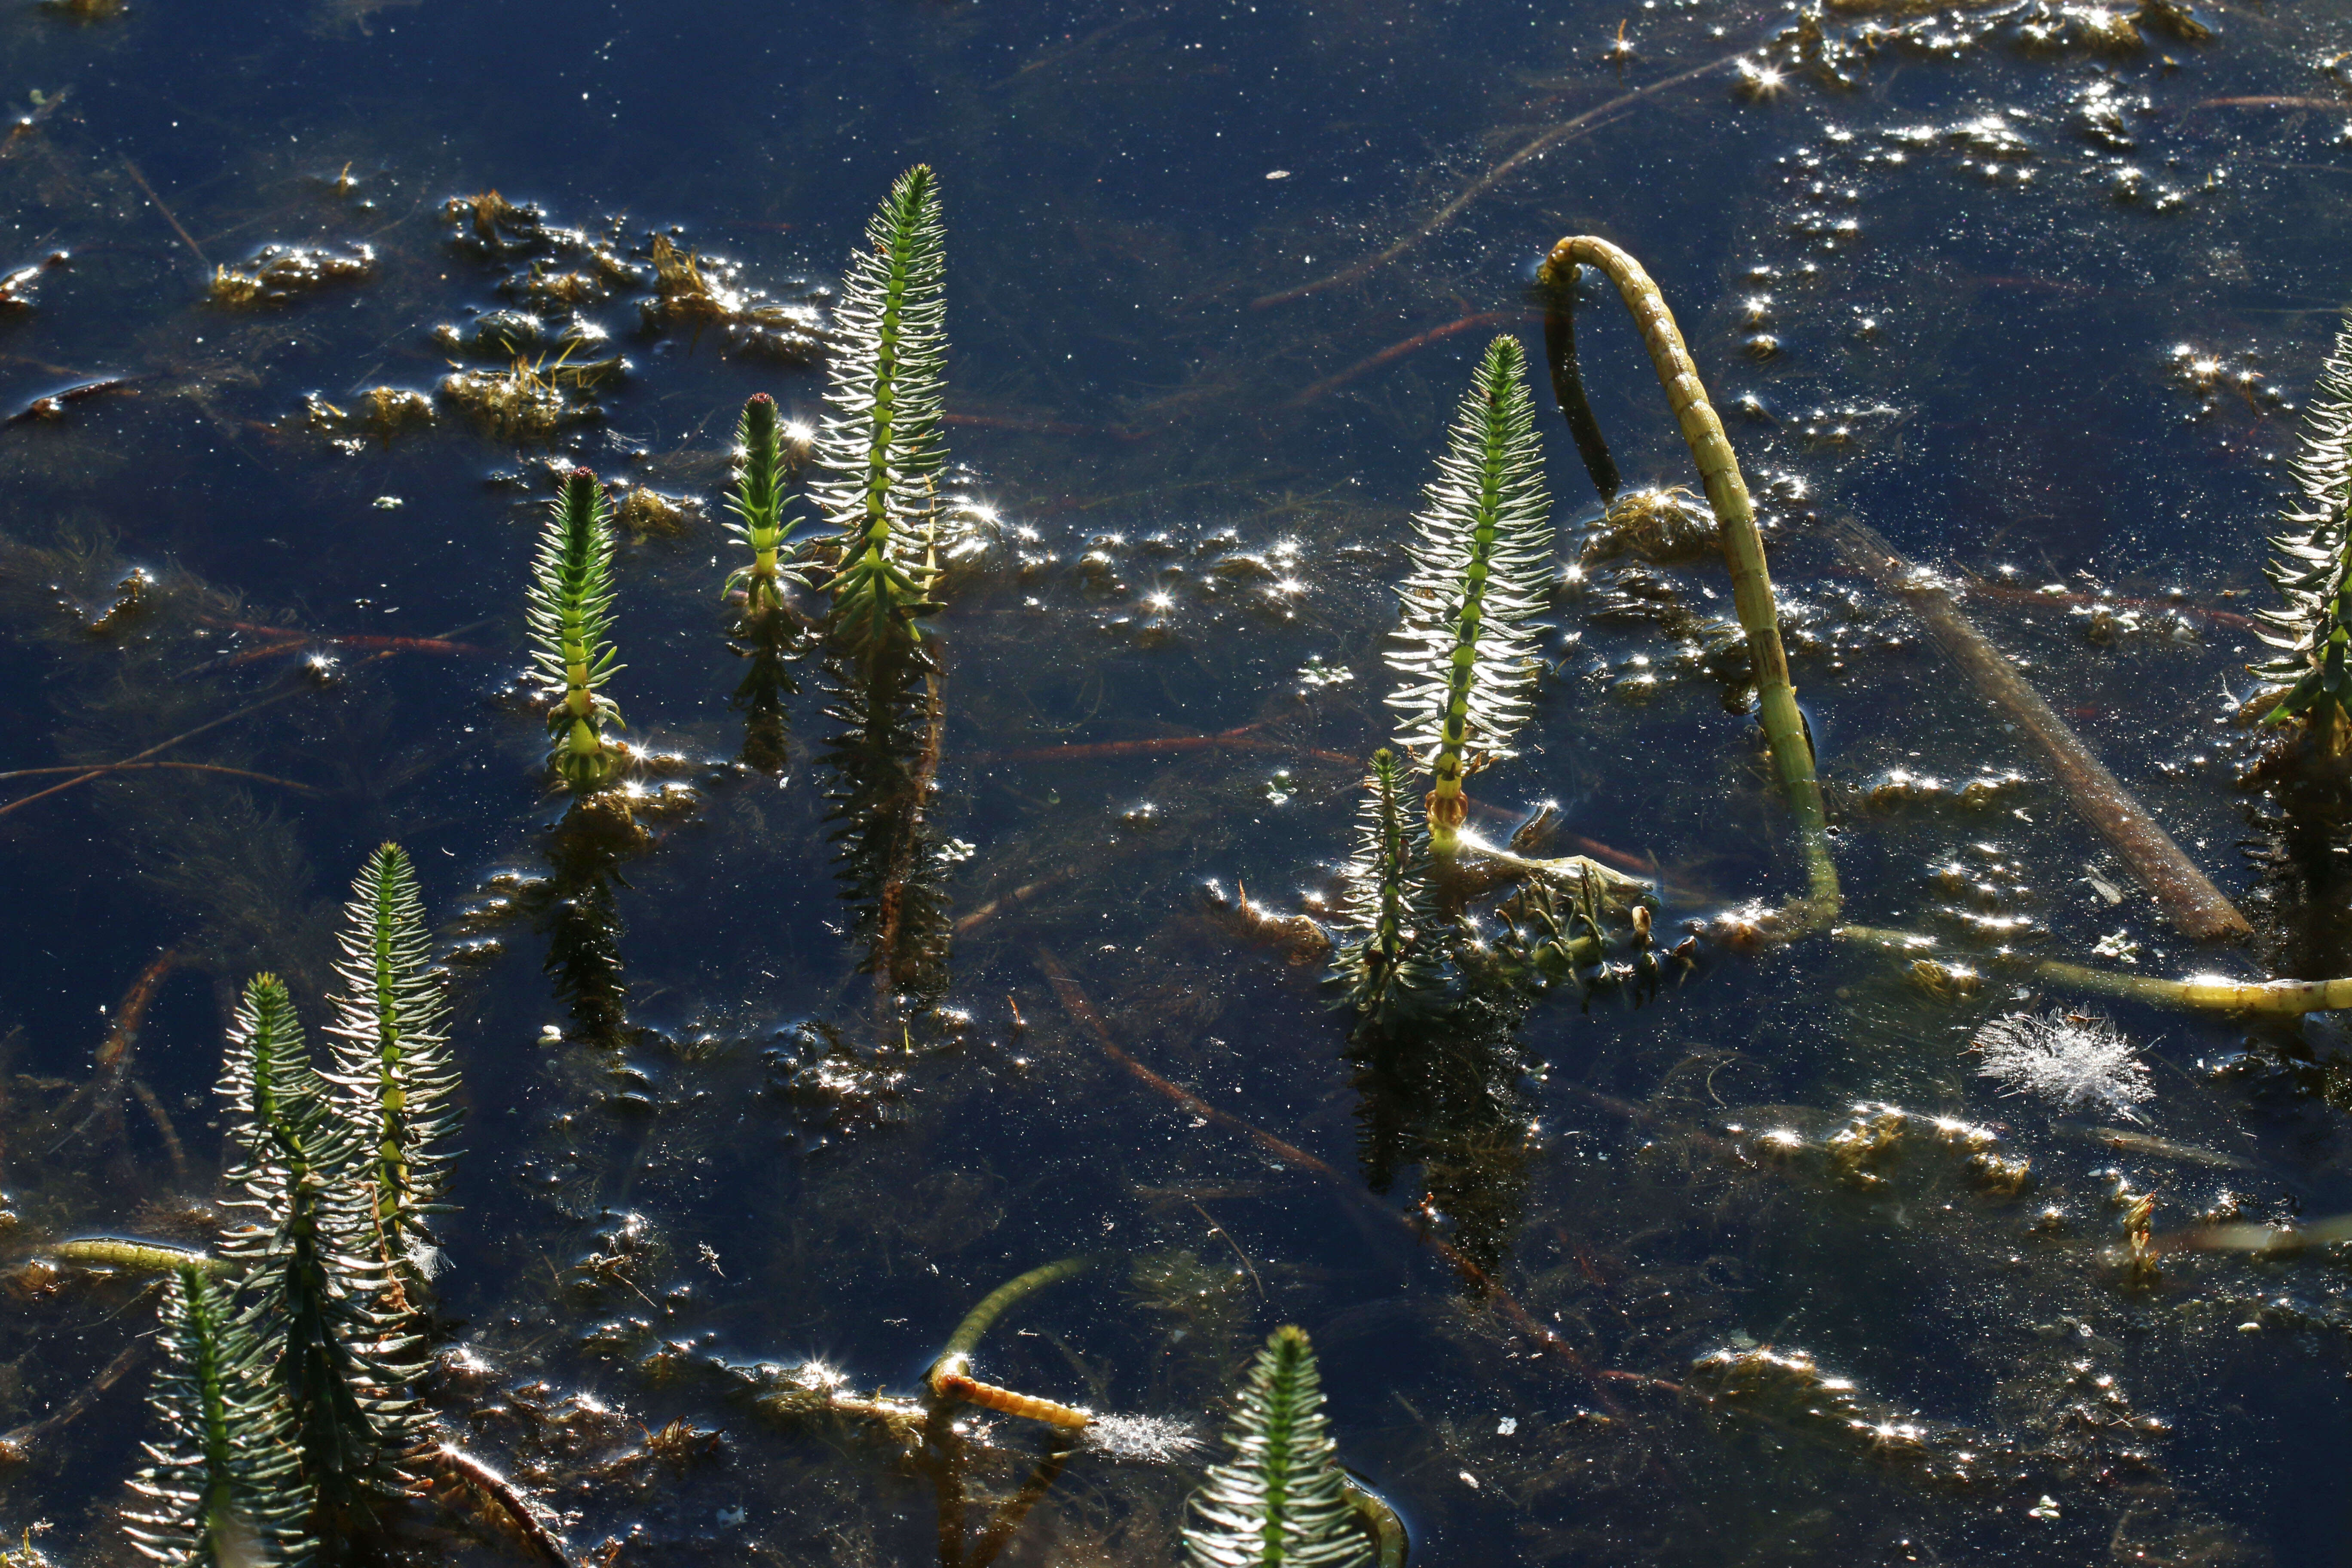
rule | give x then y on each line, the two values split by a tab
489	223
694	292
503	334
528	401
382	413
16	288
278	273
644	513
1658	525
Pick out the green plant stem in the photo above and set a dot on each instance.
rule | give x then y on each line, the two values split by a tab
2189	898
957	1353
1743	546
144	1257
2211	993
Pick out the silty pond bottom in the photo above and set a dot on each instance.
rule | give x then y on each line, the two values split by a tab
891	1002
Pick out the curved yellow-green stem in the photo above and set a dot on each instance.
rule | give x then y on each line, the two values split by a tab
145	1257
957	1353
2213	993
1743	549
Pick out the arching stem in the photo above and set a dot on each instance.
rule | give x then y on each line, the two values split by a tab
1735	515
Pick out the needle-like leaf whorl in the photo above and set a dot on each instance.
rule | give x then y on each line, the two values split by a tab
758	503
2313	564
570	619
1389	962
1466	652
1281	1501
313	1258
879	452
224	1488
392	1060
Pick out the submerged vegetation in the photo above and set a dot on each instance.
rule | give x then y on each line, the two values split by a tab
728	1143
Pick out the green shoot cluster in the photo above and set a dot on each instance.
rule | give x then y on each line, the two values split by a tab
1389	962
1281	1501
392	1059
313	1255
570	614
224	1489
1466	651
2313	565
879	452
758	504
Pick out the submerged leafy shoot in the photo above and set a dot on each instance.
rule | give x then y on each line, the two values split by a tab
2074	1060
1390	964
759	505
224	1488
312	1250
879	452
1466	651
571	621
1280	1502
2313	566
392	1057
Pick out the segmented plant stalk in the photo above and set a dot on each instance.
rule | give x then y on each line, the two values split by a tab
2204	993
1735	515
878	453
571	621
1480	574
224	1489
1389	966
955	1356
1281	1501
2313	568
310	1253
392	1059
759	505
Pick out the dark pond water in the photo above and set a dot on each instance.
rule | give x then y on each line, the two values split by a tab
2034	291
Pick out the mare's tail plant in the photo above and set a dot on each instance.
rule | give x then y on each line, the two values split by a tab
571	620
224	1489
392	1060
2312	569
1735	516
758	503
1479	576
310	1253
878	453
1391	964
1281	1501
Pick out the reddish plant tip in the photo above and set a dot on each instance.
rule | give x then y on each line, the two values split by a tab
762	397
579	476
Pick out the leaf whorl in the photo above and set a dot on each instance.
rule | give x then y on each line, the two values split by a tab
1481	568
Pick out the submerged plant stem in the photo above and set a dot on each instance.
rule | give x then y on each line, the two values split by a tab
1543	142
2189	898
994	1305
1074	1001
1735	515
2209	993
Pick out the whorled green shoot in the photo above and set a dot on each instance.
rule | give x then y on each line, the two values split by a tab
758	504
224	1488
2313	567
571	621
392	1062
1480	575
1390	960
312	1256
1281	1501
879	452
